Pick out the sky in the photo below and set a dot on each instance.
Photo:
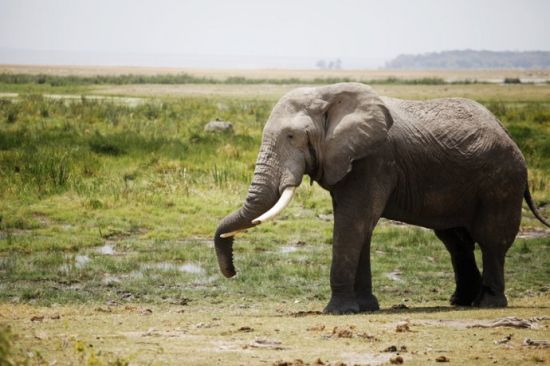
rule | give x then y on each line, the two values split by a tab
256	33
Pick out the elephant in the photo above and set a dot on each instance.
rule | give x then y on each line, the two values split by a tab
444	164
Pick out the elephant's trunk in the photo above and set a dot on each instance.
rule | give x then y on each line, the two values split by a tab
262	195
224	246
237	221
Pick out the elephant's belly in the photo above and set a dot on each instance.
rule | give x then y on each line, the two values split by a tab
434	210
430	222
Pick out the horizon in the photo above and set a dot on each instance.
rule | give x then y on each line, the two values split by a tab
62	58
268	34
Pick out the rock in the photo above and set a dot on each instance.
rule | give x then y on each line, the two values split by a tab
397	360
402	327
343	332
245	329
219	126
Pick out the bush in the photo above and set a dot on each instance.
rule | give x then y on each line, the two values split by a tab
102	145
512	81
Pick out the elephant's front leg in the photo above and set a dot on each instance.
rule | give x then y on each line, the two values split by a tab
357	206
348	239
363	280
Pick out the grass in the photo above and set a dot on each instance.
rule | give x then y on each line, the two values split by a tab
185	78
103	202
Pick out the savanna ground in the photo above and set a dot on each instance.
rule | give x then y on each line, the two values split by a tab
109	203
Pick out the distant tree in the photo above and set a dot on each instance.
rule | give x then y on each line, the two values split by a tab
468	59
329	64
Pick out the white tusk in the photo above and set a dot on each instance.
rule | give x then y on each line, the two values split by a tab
230	234
279	206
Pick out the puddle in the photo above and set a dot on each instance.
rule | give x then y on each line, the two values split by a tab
78	262
394	276
134	275
106	249
203	281
288	249
81	260
191	268
163	266
110	280
167	266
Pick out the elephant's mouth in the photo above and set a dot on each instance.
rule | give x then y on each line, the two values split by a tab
313	167
283	201
315	173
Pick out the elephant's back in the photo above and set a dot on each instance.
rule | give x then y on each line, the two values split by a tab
453	151
459	129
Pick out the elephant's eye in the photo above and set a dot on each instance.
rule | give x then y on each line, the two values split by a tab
290	136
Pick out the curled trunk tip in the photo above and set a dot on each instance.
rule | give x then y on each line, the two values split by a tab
224	252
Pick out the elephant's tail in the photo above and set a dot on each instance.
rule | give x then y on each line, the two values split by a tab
533	207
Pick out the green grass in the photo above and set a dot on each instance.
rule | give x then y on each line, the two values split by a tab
107	209
149	183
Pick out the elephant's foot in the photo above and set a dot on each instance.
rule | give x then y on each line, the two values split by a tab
468	288
464	297
487	298
368	303
342	305
458	300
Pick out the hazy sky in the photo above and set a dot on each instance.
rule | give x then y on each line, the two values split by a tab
255	31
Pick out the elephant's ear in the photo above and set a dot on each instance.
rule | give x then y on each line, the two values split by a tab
356	124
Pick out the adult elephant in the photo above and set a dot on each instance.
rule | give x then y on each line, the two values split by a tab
445	164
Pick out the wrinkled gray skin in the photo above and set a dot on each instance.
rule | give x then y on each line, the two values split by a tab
444	164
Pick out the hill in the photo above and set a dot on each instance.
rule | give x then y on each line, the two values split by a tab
471	59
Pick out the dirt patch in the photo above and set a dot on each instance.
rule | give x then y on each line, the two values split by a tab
270	334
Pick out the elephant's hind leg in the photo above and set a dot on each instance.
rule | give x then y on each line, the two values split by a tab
494	230
467	277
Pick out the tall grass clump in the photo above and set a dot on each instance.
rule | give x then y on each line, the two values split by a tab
55	146
41	170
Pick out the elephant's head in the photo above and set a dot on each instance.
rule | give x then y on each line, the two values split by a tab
315	131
